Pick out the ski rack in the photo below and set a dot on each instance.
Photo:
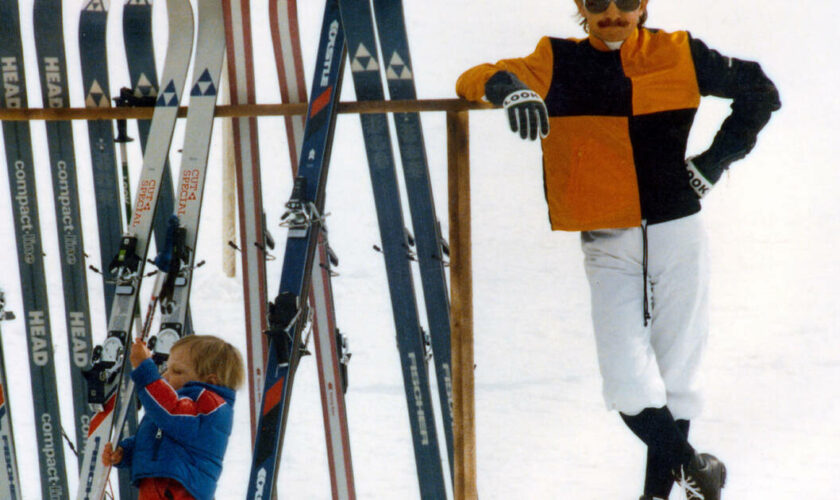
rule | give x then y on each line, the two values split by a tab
460	235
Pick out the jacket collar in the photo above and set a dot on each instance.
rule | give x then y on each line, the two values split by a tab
194	387
599	44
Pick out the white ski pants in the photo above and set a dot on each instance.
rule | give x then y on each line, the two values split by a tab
653	364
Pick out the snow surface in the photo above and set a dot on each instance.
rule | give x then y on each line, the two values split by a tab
773	362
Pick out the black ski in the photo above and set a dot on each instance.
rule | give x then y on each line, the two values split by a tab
30	258
52	63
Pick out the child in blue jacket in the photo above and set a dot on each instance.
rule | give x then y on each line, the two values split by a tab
178	449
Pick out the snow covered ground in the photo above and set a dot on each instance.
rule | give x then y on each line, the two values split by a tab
773	364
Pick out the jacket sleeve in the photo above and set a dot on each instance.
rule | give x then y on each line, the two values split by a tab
127	445
754	98
535	71
180	417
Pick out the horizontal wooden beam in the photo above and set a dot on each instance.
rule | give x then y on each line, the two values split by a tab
144	113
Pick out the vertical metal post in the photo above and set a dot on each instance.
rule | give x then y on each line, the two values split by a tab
463	379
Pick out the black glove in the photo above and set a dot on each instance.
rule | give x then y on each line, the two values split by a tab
702	177
526	110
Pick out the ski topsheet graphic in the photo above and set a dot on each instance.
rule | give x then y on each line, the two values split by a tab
104	376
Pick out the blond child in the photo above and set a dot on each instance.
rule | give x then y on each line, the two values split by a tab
178	449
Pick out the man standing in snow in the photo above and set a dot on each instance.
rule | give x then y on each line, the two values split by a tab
620	104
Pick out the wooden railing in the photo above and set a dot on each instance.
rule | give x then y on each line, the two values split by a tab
461	316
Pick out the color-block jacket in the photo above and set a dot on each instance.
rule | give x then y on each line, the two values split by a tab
183	434
620	122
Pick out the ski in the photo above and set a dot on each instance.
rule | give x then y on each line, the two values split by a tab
357	19
49	44
288	314
429	244
330	345
142	72
209	54
104	376
96	85
18	145
95	82
249	193
9	478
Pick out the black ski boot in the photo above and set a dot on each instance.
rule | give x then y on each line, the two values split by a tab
702	478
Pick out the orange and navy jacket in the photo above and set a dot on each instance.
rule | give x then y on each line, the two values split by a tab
620	122
183	435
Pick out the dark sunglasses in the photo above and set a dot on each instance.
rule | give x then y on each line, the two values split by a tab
599	6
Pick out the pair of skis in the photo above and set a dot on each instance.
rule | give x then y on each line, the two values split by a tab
288	313
396	246
129	265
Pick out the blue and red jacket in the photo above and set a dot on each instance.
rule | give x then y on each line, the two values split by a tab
183	434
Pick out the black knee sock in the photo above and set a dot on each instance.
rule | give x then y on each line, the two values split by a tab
658	477
668	446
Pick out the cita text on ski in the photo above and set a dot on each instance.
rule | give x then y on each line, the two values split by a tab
330	345
143	91
105	375
357	19
288	314
209	54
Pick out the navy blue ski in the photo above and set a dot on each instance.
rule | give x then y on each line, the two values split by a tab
287	314
364	63
430	246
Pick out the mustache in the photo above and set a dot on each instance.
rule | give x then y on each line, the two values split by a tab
609	23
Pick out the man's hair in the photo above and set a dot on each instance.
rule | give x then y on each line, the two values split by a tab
211	355
585	25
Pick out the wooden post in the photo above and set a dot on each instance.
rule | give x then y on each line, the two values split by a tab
463	379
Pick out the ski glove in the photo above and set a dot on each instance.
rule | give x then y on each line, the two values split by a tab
702	178
526	110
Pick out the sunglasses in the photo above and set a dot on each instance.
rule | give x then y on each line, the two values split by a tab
599	6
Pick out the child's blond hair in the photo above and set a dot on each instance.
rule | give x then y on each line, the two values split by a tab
211	355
